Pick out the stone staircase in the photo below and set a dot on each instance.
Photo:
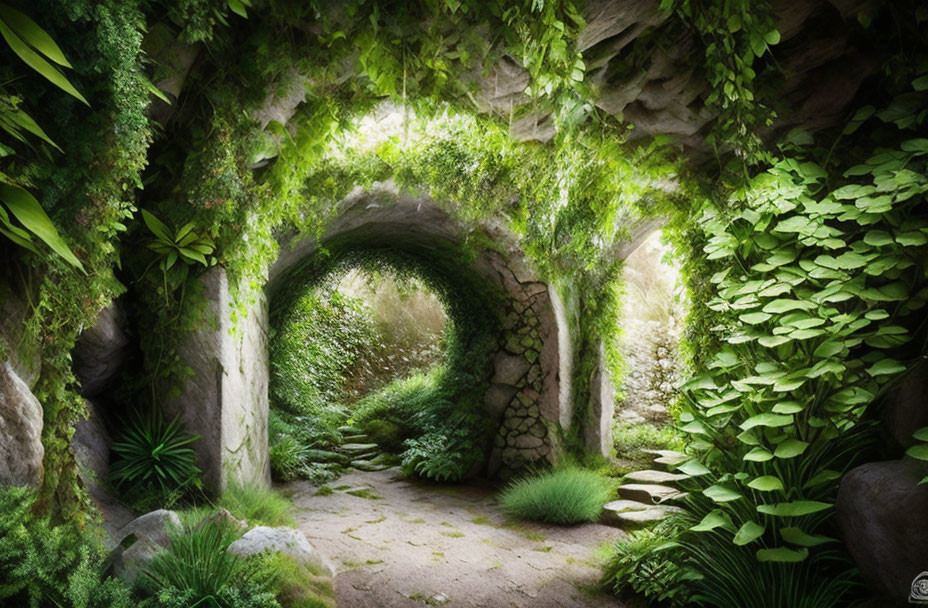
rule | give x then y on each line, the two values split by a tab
359	452
647	497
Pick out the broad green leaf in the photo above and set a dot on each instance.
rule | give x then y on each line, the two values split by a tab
30	214
783	305
796	536
720	493
157	226
33	60
773	341
797	508
693	468
766	483
885	367
30	31
921	434
237	7
790	448
767	420
878	238
747	533
754	318
782	554
715	519
919	451
919	145
912	239
26	122
758	455
788	407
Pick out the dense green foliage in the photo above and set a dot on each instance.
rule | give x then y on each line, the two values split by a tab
643	562
818	295
43	563
568	495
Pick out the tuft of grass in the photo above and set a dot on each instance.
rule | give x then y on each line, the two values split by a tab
566	496
256	505
324	491
298	585
196	562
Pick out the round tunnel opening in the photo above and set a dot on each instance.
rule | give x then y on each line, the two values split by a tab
332	408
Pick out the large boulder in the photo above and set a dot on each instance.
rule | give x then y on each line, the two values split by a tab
137	543
21	450
99	351
288	541
882	513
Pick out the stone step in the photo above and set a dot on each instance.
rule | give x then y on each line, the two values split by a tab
356	438
635	517
325	456
659	477
348	429
369	465
668	457
357	448
649	493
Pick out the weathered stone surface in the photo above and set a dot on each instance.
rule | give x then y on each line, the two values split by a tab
646	492
654	476
598	429
100	350
509	369
146	537
226	400
906	408
882	513
284	540
21	449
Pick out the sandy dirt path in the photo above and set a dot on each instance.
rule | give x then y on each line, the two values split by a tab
398	543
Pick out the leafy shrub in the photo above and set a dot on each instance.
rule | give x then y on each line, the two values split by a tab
442	455
46	564
566	496
155	455
258	506
644	562
288	458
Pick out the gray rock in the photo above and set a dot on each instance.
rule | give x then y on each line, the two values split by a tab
906	410
99	351
141	540
882	514
21	449
528	442
288	541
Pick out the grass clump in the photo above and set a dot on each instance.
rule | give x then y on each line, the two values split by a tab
565	496
256	505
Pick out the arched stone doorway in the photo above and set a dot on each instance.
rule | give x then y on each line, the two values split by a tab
527	398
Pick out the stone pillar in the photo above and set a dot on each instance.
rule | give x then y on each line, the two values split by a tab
598	430
225	401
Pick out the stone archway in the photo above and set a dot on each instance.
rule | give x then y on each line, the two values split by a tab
528	399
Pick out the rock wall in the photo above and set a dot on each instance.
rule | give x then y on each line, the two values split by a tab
225	400
21	449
